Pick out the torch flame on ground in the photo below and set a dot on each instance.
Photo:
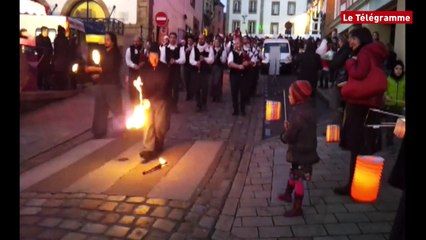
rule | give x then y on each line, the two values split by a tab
162	161
96	56
138	117
74	68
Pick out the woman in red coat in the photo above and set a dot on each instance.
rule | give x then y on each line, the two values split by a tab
364	90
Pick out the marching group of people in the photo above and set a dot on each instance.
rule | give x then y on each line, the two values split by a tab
357	68
195	64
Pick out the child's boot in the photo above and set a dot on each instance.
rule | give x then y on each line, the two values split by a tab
286	196
297	207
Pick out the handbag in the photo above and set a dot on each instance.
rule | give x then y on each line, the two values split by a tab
341	76
373	84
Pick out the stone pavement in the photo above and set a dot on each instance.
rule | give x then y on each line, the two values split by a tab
235	202
56	123
59	215
252	211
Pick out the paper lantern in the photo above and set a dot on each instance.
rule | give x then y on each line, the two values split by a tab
273	110
333	133
366	182
399	129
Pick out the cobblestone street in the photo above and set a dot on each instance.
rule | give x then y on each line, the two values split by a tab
236	200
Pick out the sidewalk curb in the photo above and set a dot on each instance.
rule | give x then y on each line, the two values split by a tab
55	150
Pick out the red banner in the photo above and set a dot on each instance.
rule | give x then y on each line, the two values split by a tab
376	17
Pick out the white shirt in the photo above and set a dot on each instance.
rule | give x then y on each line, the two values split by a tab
129	61
182	57
231	57
208	60
223	57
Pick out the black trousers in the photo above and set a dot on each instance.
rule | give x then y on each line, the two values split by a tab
174	85
201	86
107	98
254	77
188	72
133	92
398	228
216	82
44	76
239	90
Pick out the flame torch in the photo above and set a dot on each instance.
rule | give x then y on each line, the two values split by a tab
74	68
96	56
138	118
161	163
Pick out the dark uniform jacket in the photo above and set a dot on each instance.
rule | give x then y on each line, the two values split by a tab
155	81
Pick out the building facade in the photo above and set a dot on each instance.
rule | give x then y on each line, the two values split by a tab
218	21
265	17
185	16
389	33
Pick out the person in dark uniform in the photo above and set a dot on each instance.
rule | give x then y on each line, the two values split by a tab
201	58
61	59
188	69
108	94
133	62
155	76
174	57
217	70
44	53
237	63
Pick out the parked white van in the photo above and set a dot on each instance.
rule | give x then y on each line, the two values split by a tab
276	56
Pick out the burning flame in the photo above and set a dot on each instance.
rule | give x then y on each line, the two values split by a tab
75	68
162	161
138	118
96	56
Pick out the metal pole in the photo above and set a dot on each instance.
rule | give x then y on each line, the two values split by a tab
87	10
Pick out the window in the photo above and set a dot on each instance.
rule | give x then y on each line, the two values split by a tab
252	27
253	6
336	9
284	48
235	25
80	10
291	8
274	28
237	6
275	8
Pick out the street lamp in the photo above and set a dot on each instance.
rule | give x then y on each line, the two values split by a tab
244	18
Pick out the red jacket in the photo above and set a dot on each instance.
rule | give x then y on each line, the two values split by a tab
358	70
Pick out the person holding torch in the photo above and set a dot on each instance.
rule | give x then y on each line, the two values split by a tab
155	78
108	95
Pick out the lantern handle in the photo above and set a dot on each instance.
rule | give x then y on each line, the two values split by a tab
380	125
285	106
386	113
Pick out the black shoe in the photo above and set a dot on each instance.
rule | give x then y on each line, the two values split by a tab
243	113
198	109
344	191
147	156
235	113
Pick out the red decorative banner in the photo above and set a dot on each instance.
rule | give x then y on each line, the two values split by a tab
376	17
